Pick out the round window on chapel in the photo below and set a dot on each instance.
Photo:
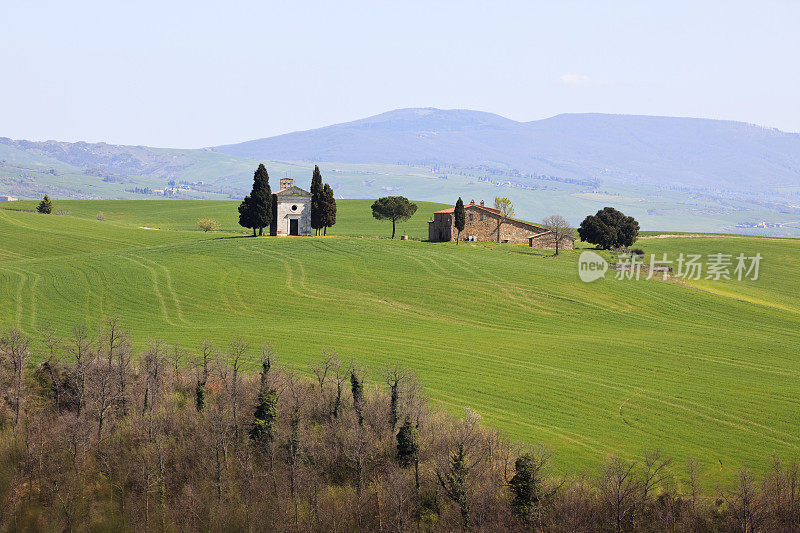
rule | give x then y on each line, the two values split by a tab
294	208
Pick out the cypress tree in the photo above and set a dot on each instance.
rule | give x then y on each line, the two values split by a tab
357	388
408	447
262	430
526	487
45	206
329	208
317	210
261	198
247	214
459	218
200	396
454	482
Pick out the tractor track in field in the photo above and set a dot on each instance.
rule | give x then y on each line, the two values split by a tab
503	414
651	395
695	409
156	290
168	283
23	279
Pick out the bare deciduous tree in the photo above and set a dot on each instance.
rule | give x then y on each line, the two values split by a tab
236	355
560	230
207	355
744	504
395	377
620	492
14	347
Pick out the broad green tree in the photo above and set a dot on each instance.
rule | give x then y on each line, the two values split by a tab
45	206
609	228
394	208
459	218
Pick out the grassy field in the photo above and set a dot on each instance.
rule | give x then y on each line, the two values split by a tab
701	369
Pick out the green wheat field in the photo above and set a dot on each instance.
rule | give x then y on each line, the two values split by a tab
706	369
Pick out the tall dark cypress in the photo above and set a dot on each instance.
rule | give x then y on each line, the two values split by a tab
328	208
261	198
317	211
459	218
247	214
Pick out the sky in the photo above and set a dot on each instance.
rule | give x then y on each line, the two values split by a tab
193	74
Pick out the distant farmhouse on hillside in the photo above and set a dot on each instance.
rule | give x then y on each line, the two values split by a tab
291	210
8	198
486	224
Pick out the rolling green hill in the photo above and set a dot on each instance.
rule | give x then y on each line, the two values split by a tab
703	369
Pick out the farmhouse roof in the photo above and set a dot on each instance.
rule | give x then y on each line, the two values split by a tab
473	204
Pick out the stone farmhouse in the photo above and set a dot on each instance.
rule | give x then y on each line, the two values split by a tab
291	210
484	223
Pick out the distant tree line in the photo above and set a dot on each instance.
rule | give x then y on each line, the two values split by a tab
98	436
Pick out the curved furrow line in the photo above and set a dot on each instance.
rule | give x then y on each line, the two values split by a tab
513	293
36	278
156	290
237	292
168	282
580	440
223	293
23	280
651	396
287	269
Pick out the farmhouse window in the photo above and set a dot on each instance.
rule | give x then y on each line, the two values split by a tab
470	216
480	217
294	208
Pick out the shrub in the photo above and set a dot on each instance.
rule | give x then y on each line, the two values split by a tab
208	224
101	216
63	212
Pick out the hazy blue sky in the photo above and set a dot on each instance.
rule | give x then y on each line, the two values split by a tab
190	74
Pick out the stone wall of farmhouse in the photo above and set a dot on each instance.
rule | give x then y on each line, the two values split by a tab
484	228
516	231
439	230
545	240
481	225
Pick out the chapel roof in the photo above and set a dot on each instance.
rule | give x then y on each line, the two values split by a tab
293	191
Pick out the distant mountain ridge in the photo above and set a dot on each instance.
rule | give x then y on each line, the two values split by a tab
124	159
646	150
